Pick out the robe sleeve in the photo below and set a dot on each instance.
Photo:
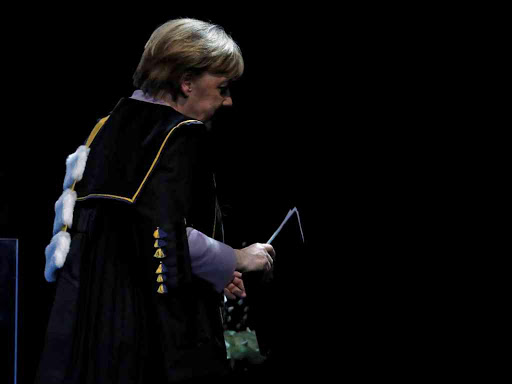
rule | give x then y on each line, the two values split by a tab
179	194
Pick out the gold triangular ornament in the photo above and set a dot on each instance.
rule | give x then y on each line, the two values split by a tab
159	233
159	254
162	289
161	269
161	278
160	243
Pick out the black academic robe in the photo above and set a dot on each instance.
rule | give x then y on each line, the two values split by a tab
148	177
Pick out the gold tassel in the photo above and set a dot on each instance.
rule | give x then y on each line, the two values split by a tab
159	234
159	254
161	278
161	269
160	243
162	289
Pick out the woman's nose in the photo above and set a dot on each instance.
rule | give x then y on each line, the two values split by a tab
227	102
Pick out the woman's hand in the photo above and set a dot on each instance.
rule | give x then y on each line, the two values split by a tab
236	287
255	257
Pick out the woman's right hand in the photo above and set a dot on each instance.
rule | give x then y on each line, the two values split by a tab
255	257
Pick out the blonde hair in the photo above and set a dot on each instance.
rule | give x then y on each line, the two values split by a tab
186	47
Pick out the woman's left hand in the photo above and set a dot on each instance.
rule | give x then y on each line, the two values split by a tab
236	287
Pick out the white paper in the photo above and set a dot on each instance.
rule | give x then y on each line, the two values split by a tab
290	213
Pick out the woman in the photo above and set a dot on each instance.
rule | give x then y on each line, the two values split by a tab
136	254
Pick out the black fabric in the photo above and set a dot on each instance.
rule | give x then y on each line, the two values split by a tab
108	323
126	146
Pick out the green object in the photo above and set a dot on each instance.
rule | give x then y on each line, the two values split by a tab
243	345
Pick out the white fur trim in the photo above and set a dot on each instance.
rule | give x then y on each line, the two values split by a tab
75	166
56	253
64	210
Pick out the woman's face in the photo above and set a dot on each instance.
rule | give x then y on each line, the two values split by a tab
205	94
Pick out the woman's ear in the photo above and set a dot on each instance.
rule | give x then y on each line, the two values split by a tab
186	84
